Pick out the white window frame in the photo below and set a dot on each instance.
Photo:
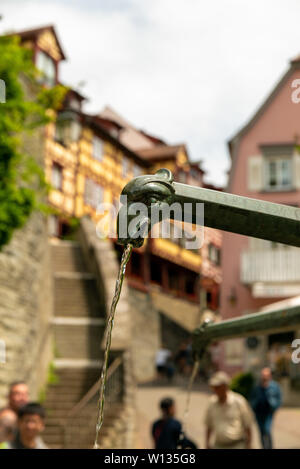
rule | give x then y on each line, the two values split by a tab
43	60
277	160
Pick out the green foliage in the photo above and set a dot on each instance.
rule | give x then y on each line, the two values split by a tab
243	384
52	376
21	178
42	396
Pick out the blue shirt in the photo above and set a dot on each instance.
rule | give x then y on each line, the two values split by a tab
166	433
265	400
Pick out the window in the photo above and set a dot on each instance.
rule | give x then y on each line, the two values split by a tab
208	298
57	176
75	104
156	271
173	280
67	129
47	66
137	171
214	254
97	148
278	172
190	284
194	174
181	176
93	193
125	167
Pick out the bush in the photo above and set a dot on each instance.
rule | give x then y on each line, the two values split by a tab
243	383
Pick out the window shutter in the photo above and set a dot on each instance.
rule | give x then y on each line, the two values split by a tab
296	170
255	173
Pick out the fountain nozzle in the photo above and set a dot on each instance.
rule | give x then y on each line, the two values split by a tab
134	217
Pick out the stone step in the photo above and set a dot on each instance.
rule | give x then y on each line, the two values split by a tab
67	257
75	372
73	365
77	297
70	385
78	342
72	390
76	436
74	424
58	414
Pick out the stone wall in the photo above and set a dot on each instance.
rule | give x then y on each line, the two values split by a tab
146	335
26	290
26	307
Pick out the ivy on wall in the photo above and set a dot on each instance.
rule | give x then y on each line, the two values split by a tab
21	178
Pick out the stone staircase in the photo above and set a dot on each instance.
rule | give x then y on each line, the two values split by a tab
78	327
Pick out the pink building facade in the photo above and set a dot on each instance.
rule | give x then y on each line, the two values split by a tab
265	164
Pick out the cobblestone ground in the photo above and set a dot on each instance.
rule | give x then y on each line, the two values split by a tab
286	427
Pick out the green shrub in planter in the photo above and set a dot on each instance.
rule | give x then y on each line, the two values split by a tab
243	384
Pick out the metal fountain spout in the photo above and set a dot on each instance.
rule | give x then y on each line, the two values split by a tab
224	211
149	190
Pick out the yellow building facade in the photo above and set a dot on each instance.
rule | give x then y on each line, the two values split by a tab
90	158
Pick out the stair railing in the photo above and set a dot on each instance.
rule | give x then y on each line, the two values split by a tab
114	392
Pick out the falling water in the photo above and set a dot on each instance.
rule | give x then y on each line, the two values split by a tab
108	332
188	400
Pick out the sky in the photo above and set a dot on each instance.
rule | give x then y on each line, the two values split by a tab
188	71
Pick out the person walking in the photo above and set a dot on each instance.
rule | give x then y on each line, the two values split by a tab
166	430
228	417
265	399
164	364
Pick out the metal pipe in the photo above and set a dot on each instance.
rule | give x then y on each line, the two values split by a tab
228	212
270	322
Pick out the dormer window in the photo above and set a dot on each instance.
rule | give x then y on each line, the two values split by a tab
67	129
46	65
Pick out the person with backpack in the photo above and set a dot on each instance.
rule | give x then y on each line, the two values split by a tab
166	430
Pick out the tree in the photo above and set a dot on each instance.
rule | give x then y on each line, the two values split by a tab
21	178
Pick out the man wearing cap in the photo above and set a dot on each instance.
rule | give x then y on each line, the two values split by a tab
228	417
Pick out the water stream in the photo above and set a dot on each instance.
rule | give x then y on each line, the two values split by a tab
108	331
188	401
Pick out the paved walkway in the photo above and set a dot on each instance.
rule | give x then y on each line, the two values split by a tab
286	421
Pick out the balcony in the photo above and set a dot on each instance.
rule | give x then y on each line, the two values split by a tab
271	266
